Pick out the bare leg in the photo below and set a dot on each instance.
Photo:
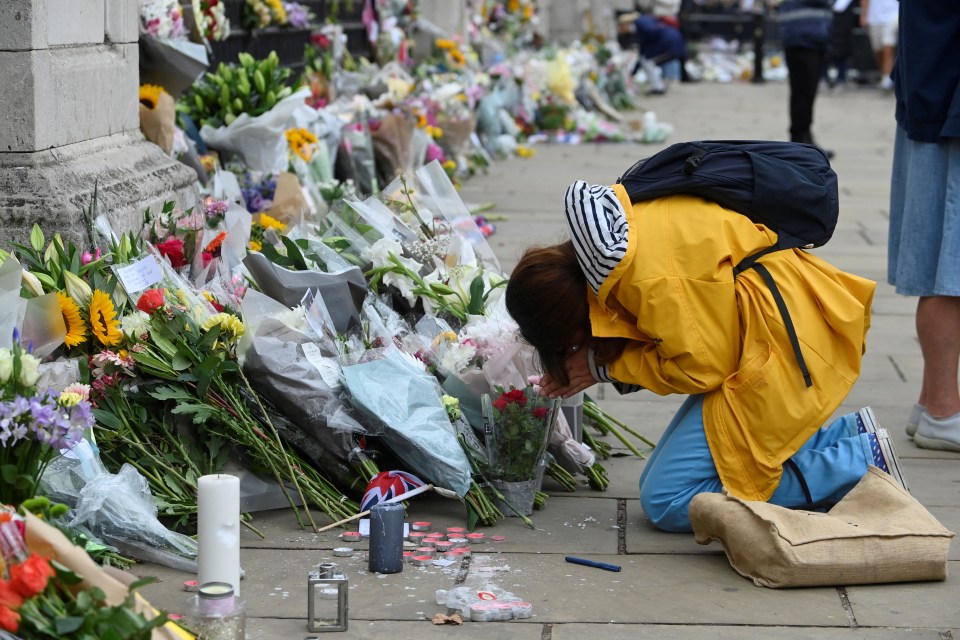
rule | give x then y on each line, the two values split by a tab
938	328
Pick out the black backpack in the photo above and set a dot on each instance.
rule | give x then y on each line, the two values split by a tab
786	186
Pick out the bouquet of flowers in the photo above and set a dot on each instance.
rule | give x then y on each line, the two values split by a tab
40	597
517	425
211	19
162	19
34	426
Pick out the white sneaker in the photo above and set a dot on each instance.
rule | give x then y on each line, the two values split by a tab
914	419
943	435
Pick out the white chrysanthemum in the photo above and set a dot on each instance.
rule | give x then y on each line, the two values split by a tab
6	364
457	356
135	324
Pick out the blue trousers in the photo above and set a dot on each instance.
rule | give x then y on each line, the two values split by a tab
832	461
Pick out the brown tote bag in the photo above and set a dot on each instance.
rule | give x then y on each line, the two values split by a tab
877	533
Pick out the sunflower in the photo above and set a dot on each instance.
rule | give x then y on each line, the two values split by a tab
76	329
103	319
150	95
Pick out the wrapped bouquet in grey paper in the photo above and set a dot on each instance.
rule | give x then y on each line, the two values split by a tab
342	292
299	378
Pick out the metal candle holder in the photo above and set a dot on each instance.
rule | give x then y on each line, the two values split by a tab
325	586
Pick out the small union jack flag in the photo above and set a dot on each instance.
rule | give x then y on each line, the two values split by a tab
386	485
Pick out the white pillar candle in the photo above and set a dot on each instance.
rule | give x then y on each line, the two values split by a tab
218	530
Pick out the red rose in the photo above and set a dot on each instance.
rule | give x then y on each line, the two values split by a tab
514	396
151	300
541	412
9	620
172	249
30	577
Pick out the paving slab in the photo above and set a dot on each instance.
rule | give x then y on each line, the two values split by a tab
919	604
758	632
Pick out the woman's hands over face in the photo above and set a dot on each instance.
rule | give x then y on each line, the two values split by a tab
578	371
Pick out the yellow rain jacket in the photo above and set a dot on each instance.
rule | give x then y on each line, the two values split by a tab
697	329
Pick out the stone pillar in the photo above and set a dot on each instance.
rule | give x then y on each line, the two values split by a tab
449	15
69	72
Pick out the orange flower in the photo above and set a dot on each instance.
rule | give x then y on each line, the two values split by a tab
9	620
30	577
214	245
9	598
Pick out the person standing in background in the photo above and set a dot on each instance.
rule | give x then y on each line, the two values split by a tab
805	27
841	44
879	18
924	239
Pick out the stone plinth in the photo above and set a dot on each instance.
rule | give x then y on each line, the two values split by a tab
70	75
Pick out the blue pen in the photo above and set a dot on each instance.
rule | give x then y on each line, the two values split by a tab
592	563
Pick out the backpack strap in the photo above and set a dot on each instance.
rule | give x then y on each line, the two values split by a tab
750	262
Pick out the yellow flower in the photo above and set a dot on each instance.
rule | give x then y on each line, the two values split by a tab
299	141
513	6
457	56
103	319
449	165
69	398
230	325
445	44
76	329
525	152
279	13
255	246
150	95
268	222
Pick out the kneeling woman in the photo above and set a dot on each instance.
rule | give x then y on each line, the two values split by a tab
645	295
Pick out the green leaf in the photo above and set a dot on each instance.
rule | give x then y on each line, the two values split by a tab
475	307
36	238
209	338
107	419
167	347
293	252
70	624
180	362
473	517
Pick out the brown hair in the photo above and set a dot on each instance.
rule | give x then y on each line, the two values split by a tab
547	296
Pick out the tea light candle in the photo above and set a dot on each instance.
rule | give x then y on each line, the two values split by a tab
421	561
426	551
456	532
458	542
216	599
351	536
420	526
429	542
218	530
463	551
436	536
475	537
408	555
417	536
443	545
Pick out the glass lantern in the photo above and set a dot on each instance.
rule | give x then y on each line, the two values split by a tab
326	599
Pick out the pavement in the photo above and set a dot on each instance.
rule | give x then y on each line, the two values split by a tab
669	587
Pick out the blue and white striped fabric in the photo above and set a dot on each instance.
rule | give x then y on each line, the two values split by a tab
598	228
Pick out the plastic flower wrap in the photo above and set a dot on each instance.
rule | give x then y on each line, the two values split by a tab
56	591
518	431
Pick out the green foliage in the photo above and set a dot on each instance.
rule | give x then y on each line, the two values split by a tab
250	86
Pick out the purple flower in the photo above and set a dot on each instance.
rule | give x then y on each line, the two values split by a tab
216	208
298	16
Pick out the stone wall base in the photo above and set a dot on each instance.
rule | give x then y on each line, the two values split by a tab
53	187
